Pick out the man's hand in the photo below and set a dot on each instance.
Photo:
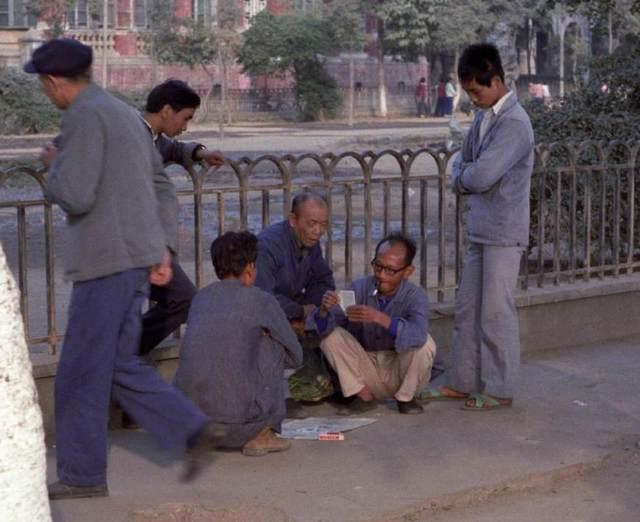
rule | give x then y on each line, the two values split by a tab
48	154
329	300
161	273
212	157
366	314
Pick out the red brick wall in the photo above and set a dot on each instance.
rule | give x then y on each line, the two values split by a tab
182	8
278	6
125	44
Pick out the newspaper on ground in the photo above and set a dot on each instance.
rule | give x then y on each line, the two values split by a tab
312	427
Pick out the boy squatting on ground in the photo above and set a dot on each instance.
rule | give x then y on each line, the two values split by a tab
108	179
236	347
380	347
493	171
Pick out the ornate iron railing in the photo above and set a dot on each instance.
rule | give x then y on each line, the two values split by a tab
584	208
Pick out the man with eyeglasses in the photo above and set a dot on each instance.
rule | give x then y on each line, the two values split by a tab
381	346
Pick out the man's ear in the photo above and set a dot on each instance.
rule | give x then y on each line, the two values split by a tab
408	272
293	219
166	111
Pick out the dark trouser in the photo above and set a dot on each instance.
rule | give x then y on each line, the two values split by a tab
100	358
447	106
170	310
421	108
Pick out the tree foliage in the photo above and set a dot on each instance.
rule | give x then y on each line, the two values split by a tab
607	107
24	109
293	44
408	25
178	40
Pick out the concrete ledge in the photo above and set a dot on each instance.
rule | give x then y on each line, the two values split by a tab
551	317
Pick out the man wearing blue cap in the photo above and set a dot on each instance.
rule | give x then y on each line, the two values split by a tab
121	213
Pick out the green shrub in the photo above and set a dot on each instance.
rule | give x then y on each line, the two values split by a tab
317	95
593	112
24	108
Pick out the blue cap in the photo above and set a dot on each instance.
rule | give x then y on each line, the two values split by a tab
60	57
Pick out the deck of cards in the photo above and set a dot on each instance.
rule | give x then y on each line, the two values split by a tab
347	298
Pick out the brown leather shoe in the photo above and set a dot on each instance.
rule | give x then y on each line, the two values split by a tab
265	442
60	491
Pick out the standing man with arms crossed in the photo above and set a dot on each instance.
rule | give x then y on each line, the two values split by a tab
494	172
170	106
121	214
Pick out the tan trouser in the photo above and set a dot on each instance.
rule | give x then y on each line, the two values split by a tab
385	373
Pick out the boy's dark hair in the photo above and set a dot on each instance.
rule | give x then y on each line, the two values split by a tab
232	252
480	62
175	93
302	198
398	237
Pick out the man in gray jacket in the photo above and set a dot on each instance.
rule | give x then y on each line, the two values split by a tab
494	173
170	106
237	344
121	214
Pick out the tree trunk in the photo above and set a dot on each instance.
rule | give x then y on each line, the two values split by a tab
382	88
221	106
562	30
456	99
351	87
23	488
223	92
610	28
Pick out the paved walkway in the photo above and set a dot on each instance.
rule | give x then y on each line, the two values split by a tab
573	407
253	139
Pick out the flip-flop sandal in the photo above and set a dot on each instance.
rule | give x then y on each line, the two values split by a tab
435	395
484	402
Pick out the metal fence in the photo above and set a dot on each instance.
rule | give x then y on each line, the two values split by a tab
584	208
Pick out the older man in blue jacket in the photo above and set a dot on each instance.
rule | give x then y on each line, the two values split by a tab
494	172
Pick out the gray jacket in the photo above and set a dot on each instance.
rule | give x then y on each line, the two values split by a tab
496	174
108	178
175	151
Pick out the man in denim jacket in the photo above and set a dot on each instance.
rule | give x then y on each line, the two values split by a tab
494	172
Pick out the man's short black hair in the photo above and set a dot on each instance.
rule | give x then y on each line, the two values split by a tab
232	252
480	62
398	237
302	198
175	93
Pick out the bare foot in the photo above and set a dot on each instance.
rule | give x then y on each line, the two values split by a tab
365	394
450	392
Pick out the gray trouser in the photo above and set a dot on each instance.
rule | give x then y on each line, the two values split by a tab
485	348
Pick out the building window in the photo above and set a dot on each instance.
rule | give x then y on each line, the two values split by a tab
200	10
140	13
253	7
13	14
80	17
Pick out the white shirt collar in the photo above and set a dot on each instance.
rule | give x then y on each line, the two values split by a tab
154	136
498	105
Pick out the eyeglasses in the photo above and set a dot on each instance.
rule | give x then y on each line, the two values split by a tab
378	268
